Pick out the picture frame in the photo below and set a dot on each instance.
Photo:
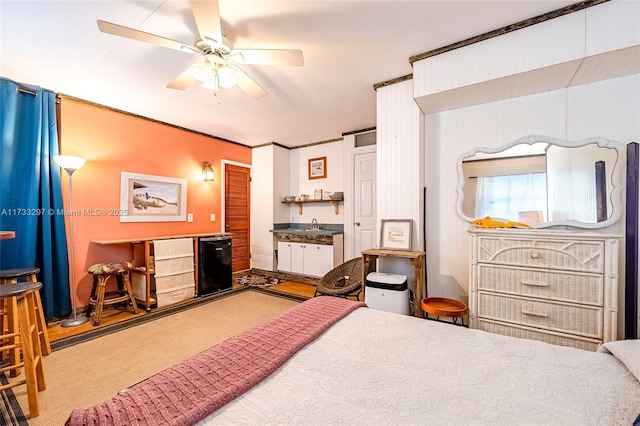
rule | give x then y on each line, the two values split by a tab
150	198
318	168
395	234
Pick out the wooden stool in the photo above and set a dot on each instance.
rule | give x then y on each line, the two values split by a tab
10	323
21	293
99	298
443	307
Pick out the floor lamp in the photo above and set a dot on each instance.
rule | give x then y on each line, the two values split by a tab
71	163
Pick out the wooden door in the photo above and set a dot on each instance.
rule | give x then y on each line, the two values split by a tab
237	214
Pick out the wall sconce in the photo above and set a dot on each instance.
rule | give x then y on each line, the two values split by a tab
207	171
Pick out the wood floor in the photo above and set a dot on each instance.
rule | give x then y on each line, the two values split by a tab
113	316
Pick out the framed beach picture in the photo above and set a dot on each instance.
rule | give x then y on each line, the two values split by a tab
318	168
395	234
149	198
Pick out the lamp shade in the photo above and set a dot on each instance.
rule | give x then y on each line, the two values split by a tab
69	162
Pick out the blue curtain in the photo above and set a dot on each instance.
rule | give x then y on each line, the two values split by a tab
31	195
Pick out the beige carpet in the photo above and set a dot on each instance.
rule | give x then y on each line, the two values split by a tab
91	372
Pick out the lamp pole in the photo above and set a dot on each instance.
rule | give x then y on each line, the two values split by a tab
71	164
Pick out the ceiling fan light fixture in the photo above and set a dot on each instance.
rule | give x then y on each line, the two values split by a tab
211	84
226	77
201	71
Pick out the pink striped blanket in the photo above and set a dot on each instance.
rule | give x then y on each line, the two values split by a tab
194	388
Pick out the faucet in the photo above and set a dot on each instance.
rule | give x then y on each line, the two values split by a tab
314	224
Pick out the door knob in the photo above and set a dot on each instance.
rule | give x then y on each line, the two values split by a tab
226	226
357	224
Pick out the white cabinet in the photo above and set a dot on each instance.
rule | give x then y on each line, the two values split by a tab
318	259
297	258
555	286
304	258
284	256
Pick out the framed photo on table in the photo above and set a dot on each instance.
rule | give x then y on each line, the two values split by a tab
395	234
318	168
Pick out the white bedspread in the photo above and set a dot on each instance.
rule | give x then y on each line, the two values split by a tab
375	367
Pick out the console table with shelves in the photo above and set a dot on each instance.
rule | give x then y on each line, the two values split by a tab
143	261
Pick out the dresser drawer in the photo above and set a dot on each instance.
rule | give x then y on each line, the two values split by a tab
556	316
573	287
541	335
585	256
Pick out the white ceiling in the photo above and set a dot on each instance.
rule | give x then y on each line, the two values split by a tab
348	47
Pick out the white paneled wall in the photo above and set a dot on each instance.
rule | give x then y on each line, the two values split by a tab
400	157
301	184
281	183
513	53
610	105
262	206
594	44
611	26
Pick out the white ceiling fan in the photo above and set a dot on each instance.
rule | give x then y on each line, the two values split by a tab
218	66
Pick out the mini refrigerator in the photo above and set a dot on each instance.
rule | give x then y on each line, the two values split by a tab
214	264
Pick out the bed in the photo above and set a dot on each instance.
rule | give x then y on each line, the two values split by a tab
334	361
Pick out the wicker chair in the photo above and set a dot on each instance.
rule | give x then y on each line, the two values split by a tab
344	280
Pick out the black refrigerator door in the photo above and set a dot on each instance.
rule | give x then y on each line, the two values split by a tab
215	265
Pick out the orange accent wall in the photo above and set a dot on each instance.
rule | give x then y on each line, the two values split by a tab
113	142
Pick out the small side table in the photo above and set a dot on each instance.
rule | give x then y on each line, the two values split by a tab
442	307
416	259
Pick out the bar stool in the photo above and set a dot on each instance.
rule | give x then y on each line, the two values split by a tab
10	322
99	298
21	294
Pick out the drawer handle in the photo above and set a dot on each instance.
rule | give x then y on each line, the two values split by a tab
535	314
535	255
535	284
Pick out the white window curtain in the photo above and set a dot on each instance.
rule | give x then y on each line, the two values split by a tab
506	197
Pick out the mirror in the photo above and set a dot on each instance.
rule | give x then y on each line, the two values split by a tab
543	182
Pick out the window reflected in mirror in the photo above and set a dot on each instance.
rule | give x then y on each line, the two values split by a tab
539	183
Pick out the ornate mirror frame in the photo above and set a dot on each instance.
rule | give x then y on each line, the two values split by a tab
617	177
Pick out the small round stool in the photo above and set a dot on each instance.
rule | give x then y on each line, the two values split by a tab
29	342
99	298
9	323
442	307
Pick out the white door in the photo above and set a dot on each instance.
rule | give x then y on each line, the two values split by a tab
364	198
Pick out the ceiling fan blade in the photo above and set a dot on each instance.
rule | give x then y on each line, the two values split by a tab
207	16
182	81
247	84
270	57
119	30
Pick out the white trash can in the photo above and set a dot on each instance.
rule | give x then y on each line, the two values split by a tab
387	292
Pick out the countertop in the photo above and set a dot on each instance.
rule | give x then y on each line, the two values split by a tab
306	232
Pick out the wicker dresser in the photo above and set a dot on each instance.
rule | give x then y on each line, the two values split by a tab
556	286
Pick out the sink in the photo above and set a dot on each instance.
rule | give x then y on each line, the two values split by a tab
312	229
